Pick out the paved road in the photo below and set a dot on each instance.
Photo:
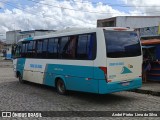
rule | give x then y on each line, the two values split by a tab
33	97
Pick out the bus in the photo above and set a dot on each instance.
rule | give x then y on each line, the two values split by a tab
94	60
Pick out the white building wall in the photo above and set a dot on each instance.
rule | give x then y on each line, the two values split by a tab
137	21
11	36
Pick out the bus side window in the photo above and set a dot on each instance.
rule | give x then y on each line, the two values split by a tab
63	46
53	48
30	49
39	48
56	48
86	47
20	50
69	48
45	47
34	50
92	46
82	47
24	49
17	51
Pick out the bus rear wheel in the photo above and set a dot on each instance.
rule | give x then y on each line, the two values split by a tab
60	86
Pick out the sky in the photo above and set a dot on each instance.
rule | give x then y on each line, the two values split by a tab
61	14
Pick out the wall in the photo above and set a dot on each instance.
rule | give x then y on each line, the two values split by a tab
137	21
12	36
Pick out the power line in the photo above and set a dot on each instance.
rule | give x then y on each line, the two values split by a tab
11	4
91	11
118	5
29	12
48	17
68	8
80	10
95	3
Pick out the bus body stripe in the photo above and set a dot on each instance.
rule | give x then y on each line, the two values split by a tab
20	65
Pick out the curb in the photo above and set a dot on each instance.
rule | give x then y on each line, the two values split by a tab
6	66
154	93
5	60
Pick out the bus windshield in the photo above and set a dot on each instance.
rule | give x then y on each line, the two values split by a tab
122	44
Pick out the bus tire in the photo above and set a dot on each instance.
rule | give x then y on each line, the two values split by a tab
60	87
20	79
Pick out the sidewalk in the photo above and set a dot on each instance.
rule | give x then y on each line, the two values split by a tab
152	88
6	63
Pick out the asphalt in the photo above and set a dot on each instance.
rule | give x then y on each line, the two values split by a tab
150	87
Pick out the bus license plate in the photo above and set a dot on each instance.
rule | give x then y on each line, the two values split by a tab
125	84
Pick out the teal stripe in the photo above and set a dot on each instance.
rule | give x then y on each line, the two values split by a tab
21	65
74	78
105	88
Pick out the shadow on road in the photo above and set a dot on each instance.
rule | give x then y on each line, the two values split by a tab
50	93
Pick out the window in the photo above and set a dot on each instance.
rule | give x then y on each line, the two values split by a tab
45	42
24	49
122	44
30	45
82	48
86	47
44	50
50	47
34	50
18	50
39	48
63	45
69	49
53	48
30	49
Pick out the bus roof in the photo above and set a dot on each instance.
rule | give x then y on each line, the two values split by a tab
72	31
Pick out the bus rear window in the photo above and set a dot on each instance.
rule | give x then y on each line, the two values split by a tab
122	44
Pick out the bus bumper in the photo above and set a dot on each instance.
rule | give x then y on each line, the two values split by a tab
105	87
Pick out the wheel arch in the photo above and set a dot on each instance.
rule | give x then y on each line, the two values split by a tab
62	78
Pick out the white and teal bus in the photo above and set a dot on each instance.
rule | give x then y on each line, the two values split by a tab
97	60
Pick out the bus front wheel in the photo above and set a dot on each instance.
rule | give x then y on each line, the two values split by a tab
20	78
60	86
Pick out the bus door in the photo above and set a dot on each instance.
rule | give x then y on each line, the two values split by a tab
18	61
33	71
33	68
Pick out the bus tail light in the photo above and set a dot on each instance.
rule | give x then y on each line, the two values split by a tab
104	69
120	29
109	80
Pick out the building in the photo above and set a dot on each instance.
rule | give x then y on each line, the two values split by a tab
146	33
2	49
129	21
2	45
12	37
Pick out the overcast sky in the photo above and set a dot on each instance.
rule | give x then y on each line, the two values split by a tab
59	14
